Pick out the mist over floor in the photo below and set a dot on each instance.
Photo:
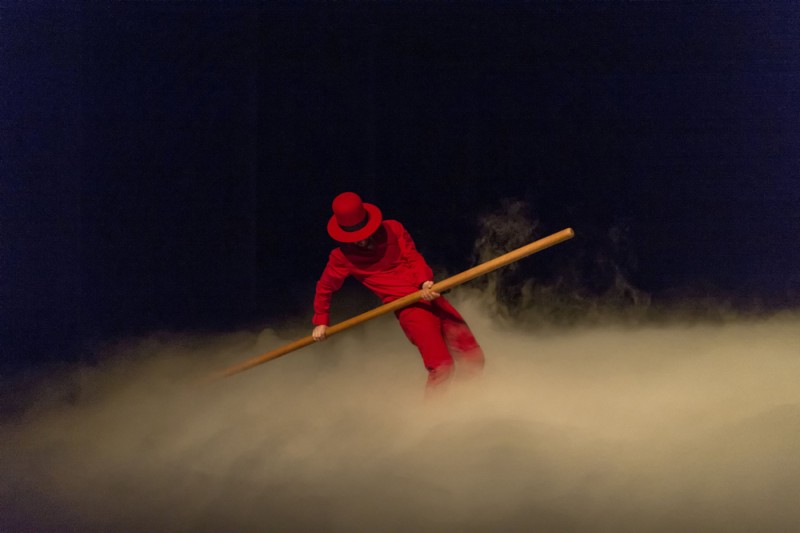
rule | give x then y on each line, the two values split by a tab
663	426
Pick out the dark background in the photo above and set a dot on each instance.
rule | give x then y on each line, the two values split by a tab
171	165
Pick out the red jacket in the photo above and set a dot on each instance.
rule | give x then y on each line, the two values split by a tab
392	268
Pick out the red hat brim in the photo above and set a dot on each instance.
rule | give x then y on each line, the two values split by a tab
341	235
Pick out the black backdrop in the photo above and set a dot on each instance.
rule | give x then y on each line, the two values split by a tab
171	165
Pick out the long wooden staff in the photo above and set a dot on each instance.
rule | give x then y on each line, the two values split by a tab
405	301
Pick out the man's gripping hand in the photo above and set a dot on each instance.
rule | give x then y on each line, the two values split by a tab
320	333
427	293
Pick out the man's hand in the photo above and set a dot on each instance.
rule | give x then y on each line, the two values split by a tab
320	333
427	293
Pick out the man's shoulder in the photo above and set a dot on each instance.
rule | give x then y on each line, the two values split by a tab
393	225
336	255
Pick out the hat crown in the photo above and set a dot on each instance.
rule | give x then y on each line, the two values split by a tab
348	209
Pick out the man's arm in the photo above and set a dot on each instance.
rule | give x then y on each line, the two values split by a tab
330	281
420	269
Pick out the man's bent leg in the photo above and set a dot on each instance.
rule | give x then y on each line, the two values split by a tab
424	329
459	339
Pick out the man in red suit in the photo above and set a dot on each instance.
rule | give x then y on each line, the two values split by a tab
381	255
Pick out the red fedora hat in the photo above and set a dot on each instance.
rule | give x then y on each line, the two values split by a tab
353	220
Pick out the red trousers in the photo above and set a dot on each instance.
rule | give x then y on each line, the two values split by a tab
442	336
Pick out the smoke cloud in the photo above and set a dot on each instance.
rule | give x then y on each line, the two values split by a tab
589	284
663	426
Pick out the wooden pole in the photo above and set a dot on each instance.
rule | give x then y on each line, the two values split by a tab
405	301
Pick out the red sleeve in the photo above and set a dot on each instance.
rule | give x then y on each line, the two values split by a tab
419	268
331	281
